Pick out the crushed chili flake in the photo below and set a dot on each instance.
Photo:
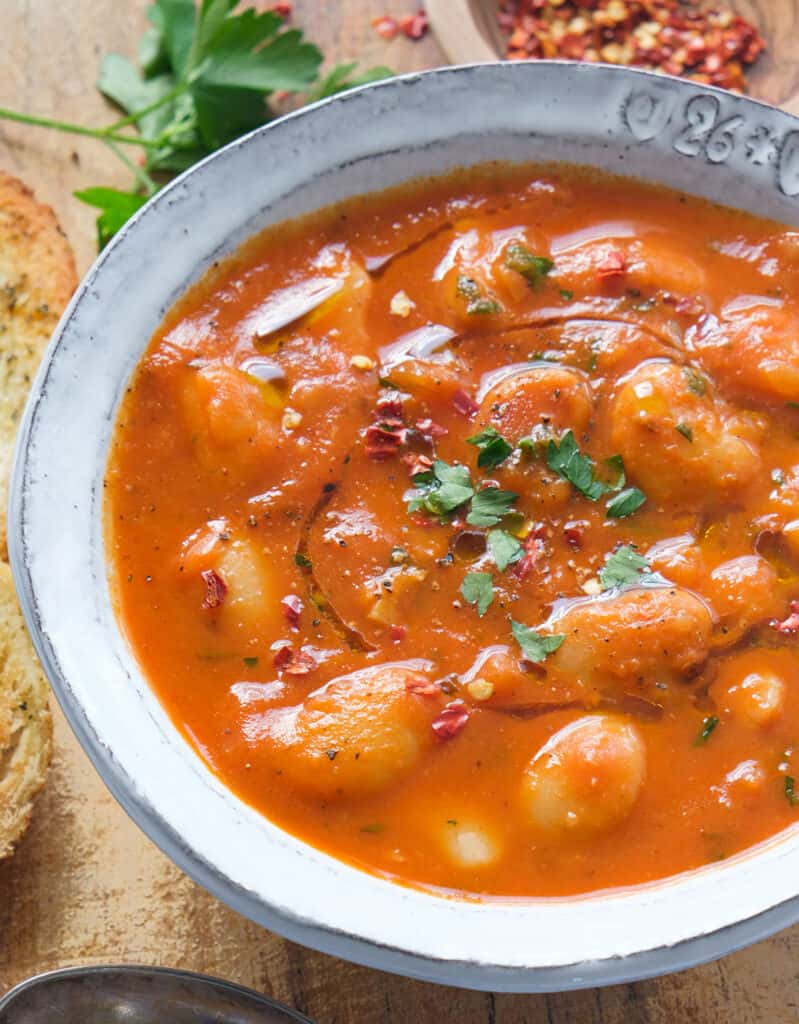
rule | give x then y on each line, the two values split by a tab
386	26
430	429
450	720
423	688
574	531
613	265
417	463
414	26
791	623
389	405
708	45
215	588
534	550
465	404
383	439
285	9
398	633
292	608
291	662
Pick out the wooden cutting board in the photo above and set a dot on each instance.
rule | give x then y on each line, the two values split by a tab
86	886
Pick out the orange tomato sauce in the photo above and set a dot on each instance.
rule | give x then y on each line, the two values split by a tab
302	541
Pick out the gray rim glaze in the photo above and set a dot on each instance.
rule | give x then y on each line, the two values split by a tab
726	148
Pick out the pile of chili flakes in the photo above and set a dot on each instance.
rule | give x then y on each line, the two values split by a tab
712	46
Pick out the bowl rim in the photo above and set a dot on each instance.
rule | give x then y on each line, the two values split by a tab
371	949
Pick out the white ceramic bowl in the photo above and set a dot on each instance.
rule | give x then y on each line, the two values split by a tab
704	141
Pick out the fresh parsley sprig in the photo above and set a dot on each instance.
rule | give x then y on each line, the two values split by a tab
623	567
493	447
205	77
478	589
535	646
566	459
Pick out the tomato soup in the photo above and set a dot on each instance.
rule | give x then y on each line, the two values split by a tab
457	528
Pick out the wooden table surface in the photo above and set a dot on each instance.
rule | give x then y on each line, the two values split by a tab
86	886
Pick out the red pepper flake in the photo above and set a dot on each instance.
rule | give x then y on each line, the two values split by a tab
450	720
398	634
215	588
389	405
708	45
791	623
383	439
291	662
534	550
292	607
465	404
285	9
574	531
422	687
431	430
386	26
417	463
414	25
613	265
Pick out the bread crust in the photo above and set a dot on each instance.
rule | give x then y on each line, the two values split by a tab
37	278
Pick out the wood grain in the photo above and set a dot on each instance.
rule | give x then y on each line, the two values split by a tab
86	886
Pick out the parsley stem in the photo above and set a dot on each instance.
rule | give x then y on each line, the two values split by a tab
137	115
104	134
139	173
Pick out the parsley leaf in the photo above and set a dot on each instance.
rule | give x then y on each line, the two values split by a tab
696	382
342	78
505	548
117	208
790	790
616	464
521	259
301	560
478	588
205	78
566	460
685	430
489	506
476	302
494	449
622	567
625	503
442	490
708	725
535	647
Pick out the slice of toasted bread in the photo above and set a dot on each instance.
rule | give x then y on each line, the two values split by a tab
25	724
37	277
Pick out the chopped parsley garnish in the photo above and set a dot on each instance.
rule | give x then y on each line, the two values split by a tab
441	490
494	449
696	382
685	430
616	464
504	548
303	561
250	662
476	302
790	792
478	589
708	725
489	506
625	503
623	567
566	295
535	647
377	826
521	259
567	461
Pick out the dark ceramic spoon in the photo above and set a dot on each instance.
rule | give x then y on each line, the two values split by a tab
138	995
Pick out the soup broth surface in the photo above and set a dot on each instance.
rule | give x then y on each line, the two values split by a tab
457	529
